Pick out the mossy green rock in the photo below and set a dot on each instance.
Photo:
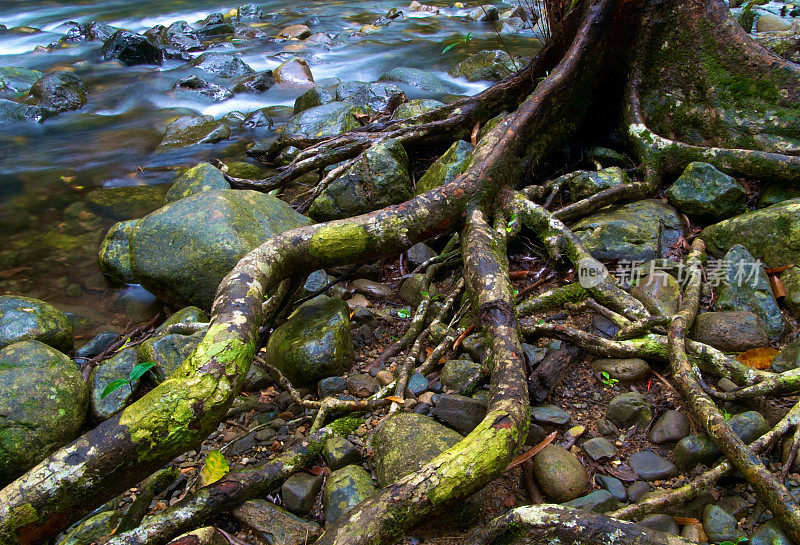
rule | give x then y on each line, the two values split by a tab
13	111
16	80
187	315
746	287
456	374
447	167
324	121
660	293
628	409
791	281
93	529
585	183
720	526
202	177
116	367
559	474
770	534
699	449
114	257
168	352
189	130
376	96
314	343
771	234
404	442
316	96
777	193
344	489
638	231
486	65
28	319
706	193
57	92
416	107
125	203
43	401
378	179
182	251
789	358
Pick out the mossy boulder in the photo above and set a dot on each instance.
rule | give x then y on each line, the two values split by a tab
559	474
119	366
13	111
730	331
638	231
316	96
114	257
28	319
447	167
188	130
324	121
15	80
416	107
659	292
704	192
344	489
43	401
776	193
416	78
789	358
168	352
314	343
486	65
58	92
125	203
791	280
771	234
379	178
404	442
585	183
94	529
182	251
201	177
376	96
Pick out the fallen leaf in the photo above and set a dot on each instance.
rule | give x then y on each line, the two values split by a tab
623	473
778	289
474	136
758	358
214	469
527	455
395	399
8	273
683	521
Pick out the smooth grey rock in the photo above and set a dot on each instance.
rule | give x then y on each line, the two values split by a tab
671	426
559	474
460	412
299	492
650	466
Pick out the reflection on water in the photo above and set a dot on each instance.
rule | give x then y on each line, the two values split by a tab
50	220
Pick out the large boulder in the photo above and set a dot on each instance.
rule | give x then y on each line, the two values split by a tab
447	167
58	92
638	231
225	65
182	251
771	234
415	78
114	257
324	121
314	343
27	319
706	193
199	178
404	442
377	96
130	48
730	331
188	130
379	178
585	183
43	402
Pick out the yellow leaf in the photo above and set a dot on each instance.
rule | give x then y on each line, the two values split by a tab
395	399
214	469
758	358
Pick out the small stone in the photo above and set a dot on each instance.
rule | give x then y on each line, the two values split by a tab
345	488
294	71
295	32
339	452
788	359
457	374
599	501
385	377
299	492
637	490
624	370
331	386
694	532
607	428
730	331
613	485
662	523
659	292
719	525
670	426
362	384
650	466
372	289
699	449
419	253
550	414
770	534
768	22
599	448
628	409
460	412
417	383
428	398
559	474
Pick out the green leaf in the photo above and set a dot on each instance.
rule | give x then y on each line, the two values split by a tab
113	385
214	469
140	370
403	313
449	47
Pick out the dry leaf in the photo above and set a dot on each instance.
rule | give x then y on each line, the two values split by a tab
395	399
527	455
8	273
778	289
683	521
475	130
758	358
214	469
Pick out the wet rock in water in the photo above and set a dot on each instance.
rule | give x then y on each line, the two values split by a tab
225	65
789	358
275	525
58	92
457	374
599	448
28	319
339	452
650	466
550	414
324	121
413	108
362	384
294	71
199	178
730	331
719	525
189	130
314	343
213	230
379	178
706	193
446	168
380	97
168	353
660	293
114	256
415	77
484	14
623	369
768	22
638	231
599	501
461	412
345	488
13	111
585	183
770	534
249	12
299	492
97	345
215	26
613	485
196	84
746	287
295	32
559	474
372	289
254	83
486	65
181	36
131	48
699	449
16	80
94	529
662	523
404	442
671	426
316	96
116	367
129	202
43	402
628	409
770	234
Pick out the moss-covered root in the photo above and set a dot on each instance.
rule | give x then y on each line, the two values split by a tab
486	451
233	489
558	524
768	489
202	536
554	298
557	238
781	384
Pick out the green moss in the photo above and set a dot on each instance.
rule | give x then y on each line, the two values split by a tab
338	242
345	426
22	516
